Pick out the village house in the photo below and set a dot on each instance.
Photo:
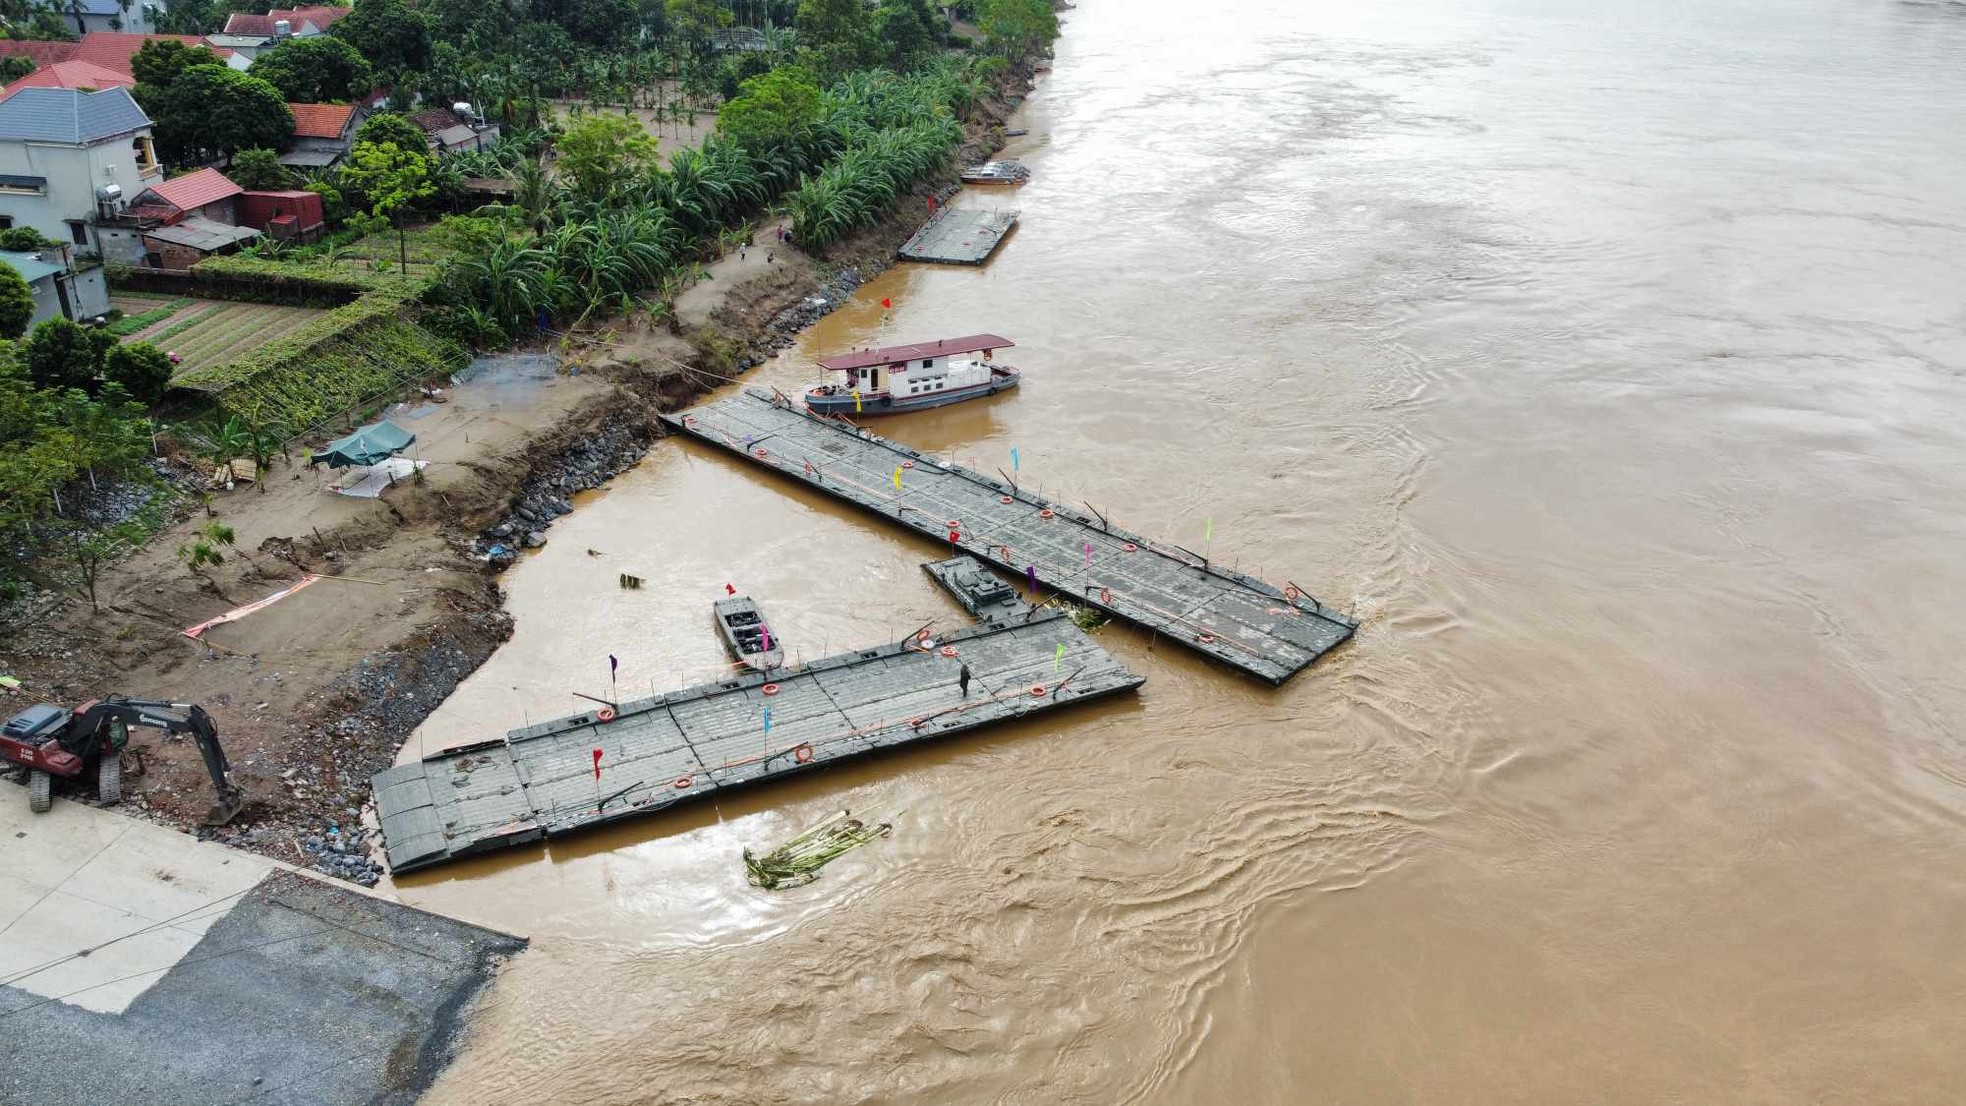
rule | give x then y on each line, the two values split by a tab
181	221
110	49
451	133
61	290
323	134
70	159
251	35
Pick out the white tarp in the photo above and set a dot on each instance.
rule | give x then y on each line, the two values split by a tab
368	482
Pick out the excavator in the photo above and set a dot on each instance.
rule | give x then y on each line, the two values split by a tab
51	741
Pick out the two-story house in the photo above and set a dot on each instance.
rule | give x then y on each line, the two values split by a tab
71	158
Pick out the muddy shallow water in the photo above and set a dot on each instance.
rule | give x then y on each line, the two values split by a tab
1605	358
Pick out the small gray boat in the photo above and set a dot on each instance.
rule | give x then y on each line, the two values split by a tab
746	635
996	172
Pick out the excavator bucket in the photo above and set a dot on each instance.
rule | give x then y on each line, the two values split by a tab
230	802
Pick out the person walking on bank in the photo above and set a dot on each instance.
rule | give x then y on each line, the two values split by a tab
962	679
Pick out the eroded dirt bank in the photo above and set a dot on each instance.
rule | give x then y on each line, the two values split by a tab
315	693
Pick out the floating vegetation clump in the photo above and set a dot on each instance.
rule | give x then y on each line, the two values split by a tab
797	862
1087	618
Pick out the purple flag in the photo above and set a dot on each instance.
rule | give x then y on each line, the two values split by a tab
1088	554
765	632
1031	574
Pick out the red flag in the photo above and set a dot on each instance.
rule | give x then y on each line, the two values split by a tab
597	764
728	590
885	302
931	203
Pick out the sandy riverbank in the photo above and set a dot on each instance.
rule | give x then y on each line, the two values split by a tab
315	693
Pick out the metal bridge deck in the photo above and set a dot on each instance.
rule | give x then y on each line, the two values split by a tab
1233	618
958	236
539	781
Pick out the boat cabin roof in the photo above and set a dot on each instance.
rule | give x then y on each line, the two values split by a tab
887	355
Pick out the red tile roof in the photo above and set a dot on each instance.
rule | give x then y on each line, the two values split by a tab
114	49
246	23
43	53
321	120
70	74
193	190
946	347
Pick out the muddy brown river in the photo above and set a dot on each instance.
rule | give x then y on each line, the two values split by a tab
1604	357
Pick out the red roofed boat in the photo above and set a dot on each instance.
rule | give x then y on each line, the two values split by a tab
893	379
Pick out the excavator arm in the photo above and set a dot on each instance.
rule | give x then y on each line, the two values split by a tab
92	721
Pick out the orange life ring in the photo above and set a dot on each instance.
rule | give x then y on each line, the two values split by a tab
802	754
684	782
1207	638
955	524
1291	593
1046	513
605	714
907	464
1130	547
1037	691
689	420
769	689
948	650
1106	596
915	723
923	636
1006	499
762	451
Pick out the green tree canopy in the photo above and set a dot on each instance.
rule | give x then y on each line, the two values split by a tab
780	103
15	66
211	111
61	355
599	152
160	61
693	21
25	240
1017	28
315	70
140	368
394	36
909	30
388	177
389	126
840	34
16	303
259	169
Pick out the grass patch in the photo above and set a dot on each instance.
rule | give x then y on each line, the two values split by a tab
130	324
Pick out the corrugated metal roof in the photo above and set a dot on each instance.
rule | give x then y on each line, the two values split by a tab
310	159
69	116
946	347
201	233
31	267
193	190
321	120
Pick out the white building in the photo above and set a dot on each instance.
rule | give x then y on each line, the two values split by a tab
70	158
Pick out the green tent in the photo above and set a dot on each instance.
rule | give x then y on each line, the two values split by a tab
369	445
